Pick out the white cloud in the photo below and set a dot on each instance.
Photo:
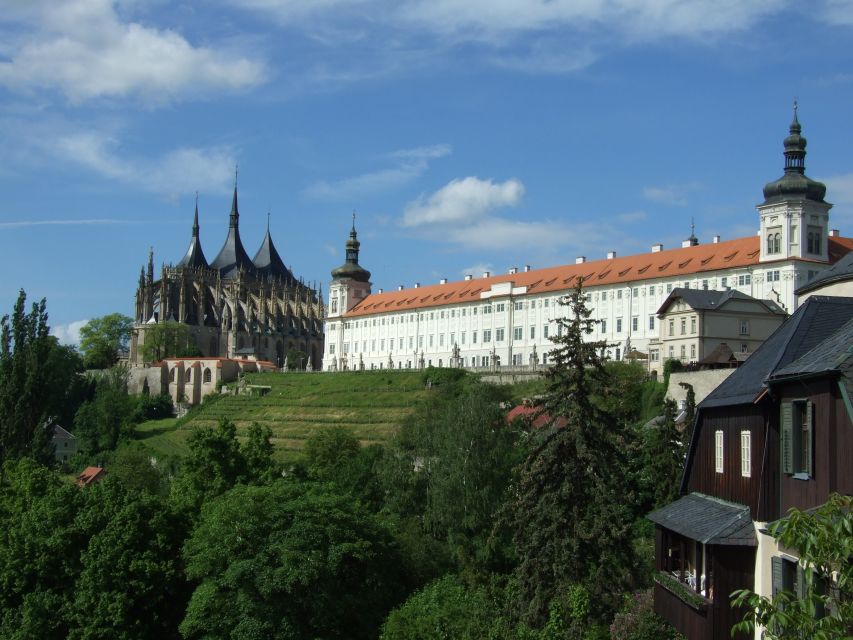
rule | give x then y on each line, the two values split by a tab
837	12
69	333
83	49
463	201
411	164
177	171
477	270
500	233
632	216
673	194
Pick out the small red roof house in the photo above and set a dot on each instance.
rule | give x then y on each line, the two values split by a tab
90	475
534	417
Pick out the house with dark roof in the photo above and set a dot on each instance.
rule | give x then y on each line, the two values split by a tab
695	322
776	434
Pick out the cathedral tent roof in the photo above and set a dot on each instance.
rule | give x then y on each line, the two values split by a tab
268	262
232	255
194	256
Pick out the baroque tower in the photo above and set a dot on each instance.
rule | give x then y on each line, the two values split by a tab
350	285
794	215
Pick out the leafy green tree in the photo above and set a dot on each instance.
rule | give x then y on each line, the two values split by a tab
297	360
133	467
446	608
328	449
288	561
36	376
637	620
573	506
257	453
168	340
102	339
824	607
213	466
94	563
108	418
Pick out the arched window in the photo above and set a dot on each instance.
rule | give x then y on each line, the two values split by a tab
777	243
189	375
206	375
172	375
770	243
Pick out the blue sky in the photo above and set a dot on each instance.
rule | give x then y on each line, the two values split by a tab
467	134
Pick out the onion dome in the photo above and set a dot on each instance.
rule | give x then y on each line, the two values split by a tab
794	184
351	269
195	256
232	256
268	262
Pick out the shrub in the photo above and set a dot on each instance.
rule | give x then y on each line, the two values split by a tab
638	621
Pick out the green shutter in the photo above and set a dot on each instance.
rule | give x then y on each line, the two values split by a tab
786	427
776	567
808	438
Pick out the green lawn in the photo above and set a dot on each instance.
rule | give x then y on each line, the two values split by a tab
371	403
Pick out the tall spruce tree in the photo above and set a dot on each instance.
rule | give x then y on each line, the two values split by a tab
572	514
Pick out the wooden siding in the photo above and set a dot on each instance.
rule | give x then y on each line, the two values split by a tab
833	445
730	484
733	568
695	625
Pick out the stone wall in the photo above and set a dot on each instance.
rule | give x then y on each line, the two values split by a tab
703	382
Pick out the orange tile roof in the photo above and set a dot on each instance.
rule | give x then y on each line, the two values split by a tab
731	254
90	475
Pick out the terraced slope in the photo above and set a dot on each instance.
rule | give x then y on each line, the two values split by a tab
371	403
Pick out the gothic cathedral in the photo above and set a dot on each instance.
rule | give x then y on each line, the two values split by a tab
234	306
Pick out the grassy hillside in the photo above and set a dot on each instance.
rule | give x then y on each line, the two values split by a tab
371	403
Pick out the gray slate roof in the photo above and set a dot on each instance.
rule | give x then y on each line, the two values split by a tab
707	520
833	354
810	325
710	299
840	271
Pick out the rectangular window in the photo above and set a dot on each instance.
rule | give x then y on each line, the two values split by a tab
797	427
382	345
332	349
499	307
545	331
618	325
671	352
487	335
652	290
373	345
684	326
744	327
532	333
672	327
654	354
519	306
636	291
463	337
619	294
499	335
692	351
487	308
669	288
744	280
411	342
604	326
724	281
517	333
441	315
635	323
745	454
718	451
452	338
705	285
431	340
652	323
401	344
692	325
473	337
420	342
604	296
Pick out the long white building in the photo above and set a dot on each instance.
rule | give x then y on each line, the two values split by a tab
508	319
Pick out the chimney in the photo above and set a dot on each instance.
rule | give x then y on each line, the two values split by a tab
417	284
513	271
442	281
611	255
486	274
580	259
657	248
526	268
379	291
716	240
833	233
468	276
400	288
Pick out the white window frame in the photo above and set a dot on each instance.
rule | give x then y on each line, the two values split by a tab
746	454
719	443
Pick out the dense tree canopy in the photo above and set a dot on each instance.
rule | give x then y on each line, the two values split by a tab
103	339
168	340
287	561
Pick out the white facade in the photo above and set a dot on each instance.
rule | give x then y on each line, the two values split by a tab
508	325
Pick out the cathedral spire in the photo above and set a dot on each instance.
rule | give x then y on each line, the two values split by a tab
195	218
194	256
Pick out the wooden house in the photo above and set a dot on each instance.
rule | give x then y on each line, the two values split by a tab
775	434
